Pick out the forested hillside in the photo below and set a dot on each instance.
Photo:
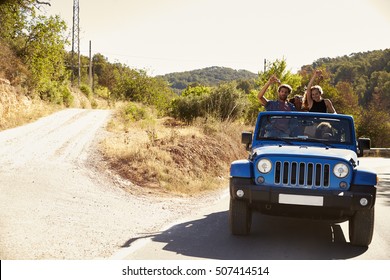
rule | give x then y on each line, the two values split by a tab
210	76
367	72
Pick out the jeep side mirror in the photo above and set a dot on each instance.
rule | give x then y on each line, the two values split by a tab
363	144
246	138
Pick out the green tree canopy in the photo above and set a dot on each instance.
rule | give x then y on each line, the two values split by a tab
278	68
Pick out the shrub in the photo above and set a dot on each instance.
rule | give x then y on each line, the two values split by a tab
56	93
132	112
102	92
85	89
224	102
188	108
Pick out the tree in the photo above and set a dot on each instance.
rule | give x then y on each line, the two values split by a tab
360	87
345	72
246	85
375	124
44	51
196	91
278	68
379	87
105	73
25	3
346	101
226	102
15	15
39	43
13	19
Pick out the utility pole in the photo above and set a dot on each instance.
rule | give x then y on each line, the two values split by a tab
76	41
90	66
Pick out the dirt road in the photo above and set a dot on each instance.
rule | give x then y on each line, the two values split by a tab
55	203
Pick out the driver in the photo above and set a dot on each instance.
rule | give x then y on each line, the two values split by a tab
324	131
278	127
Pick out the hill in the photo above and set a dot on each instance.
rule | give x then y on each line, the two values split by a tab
368	74
210	76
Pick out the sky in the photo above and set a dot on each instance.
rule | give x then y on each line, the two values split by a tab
166	36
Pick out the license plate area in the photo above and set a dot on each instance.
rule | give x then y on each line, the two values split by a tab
295	199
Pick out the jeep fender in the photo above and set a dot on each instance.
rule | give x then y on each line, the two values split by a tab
241	168
362	177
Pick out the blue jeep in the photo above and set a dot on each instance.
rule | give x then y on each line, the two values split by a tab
304	165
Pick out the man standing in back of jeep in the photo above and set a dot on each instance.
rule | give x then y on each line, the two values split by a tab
282	103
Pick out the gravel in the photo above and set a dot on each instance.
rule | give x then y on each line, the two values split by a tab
58	201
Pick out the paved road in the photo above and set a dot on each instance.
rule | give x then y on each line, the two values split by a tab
206	235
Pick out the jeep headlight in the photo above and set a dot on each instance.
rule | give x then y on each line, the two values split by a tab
264	165
341	170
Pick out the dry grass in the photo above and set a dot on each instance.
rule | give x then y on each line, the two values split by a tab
164	155
17	109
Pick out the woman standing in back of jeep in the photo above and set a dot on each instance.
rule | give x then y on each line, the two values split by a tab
313	97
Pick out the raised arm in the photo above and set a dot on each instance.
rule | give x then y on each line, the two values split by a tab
273	79
308	97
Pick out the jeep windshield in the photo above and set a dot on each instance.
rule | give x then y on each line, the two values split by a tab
305	127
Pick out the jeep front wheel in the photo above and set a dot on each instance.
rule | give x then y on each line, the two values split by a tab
240	217
361	227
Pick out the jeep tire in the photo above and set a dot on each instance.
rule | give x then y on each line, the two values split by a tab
361	227
240	217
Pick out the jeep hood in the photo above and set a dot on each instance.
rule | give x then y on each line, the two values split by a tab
306	151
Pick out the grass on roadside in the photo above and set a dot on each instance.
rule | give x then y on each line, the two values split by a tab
165	155
16	109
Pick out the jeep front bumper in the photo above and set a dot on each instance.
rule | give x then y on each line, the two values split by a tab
356	198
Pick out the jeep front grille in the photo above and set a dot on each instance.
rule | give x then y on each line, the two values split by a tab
302	174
